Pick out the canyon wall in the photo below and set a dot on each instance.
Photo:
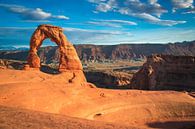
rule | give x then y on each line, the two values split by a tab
166	72
109	79
110	52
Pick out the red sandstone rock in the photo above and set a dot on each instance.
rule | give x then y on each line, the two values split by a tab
69	59
166	72
26	67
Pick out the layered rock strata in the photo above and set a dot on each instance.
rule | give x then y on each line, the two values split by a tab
166	72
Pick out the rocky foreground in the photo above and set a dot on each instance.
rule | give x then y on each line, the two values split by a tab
10	117
56	94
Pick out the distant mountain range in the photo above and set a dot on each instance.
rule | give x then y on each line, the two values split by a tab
50	54
11	48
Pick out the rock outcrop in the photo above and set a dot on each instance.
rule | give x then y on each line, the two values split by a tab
9	64
166	72
69	59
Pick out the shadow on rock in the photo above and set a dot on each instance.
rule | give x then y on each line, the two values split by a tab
49	70
173	125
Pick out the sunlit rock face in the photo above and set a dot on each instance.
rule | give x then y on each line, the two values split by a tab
166	72
69	59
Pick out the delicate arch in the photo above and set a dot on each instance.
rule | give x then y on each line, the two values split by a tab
69	59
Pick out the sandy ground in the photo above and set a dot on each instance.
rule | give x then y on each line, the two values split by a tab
43	93
23	119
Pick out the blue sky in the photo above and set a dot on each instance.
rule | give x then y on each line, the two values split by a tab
99	21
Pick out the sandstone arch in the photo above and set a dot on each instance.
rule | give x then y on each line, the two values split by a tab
69	59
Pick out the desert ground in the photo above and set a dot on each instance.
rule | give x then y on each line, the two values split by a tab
34	99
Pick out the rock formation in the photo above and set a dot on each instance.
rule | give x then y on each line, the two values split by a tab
9	64
69	59
166	72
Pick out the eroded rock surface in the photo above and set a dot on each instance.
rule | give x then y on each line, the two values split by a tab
166	72
47	93
9	64
69	59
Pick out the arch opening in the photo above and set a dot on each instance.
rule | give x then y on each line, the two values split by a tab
49	57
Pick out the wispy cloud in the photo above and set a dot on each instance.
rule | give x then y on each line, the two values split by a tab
101	23
90	36
85	36
107	32
135	6
121	22
149	11
111	23
155	20
181	4
15	35
189	11
31	14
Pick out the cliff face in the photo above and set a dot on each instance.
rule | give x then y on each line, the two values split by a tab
111	52
109	79
166	72
130	51
114	52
